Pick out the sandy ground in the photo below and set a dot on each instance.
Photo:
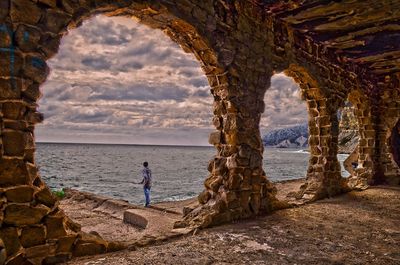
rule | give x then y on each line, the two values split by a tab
355	228
105	216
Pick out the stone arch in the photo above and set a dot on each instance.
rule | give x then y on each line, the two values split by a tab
323	174
348	138
30	34
387	135
395	143
365	153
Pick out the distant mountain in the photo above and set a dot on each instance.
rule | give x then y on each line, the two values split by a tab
296	136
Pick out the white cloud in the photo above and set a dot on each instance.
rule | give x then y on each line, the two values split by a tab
283	104
113	77
114	80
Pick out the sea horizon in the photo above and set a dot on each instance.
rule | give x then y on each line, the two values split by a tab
127	144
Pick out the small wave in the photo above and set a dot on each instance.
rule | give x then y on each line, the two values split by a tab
179	197
295	152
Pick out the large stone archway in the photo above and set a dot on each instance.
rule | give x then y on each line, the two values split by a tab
32	225
240	44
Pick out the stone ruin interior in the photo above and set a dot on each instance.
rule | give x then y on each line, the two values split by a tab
334	50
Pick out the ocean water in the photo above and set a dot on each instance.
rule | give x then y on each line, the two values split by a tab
178	171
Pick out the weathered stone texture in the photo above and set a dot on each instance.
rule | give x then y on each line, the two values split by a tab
33	236
331	48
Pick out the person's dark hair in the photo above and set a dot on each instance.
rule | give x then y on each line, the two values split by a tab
145	164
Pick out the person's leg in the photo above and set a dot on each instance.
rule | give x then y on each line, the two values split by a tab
147	196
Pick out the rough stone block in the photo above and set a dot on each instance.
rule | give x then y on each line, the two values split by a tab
11	63
13	110
50	44
215	138
17	214
204	197
33	236
32	92
14	143
65	243
13	172
234	182
30	155
36	69
87	249
10	88
55	226
10	239
89	244
16	125
46	197
18	259
213	183
70	5
131	217
19	194
25	11
27	38
56	21
40	251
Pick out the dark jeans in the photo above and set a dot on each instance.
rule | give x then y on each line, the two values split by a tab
147	195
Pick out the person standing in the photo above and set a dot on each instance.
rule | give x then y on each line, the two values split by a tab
146	173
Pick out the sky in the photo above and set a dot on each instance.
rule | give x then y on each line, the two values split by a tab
117	81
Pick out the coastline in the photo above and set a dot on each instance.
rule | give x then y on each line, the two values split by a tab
90	211
354	228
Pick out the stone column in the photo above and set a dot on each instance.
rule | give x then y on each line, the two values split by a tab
237	186
32	227
385	126
323	174
364	172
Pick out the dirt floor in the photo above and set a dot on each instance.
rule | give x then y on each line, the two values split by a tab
355	228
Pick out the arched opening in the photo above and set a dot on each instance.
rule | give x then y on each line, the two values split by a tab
348	140
116	82
284	128
395	143
323	172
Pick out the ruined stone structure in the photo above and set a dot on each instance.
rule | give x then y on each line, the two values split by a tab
334	49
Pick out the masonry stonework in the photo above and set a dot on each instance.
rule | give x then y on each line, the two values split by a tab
332	53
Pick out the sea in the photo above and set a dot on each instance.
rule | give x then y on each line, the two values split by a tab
178	171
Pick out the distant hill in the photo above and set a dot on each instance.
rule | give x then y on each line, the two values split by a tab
297	136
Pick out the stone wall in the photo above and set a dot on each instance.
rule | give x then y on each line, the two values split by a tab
240	44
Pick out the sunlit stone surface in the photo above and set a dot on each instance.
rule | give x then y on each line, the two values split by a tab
334	51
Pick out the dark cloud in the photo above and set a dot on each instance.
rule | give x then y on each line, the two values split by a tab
141	92
92	116
202	93
99	63
199	82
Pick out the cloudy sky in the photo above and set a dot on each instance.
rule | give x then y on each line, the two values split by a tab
116	81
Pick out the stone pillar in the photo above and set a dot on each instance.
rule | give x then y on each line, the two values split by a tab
33	230
323	174
387	130
377	117
364	172
237	186
395	143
